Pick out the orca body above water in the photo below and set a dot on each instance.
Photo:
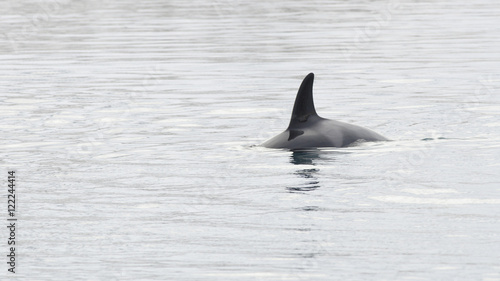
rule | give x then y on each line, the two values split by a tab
308	130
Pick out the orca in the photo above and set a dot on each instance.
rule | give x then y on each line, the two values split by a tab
308	130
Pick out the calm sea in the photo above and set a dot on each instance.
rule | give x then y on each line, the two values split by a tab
133	128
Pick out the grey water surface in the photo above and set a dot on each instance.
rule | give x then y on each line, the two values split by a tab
134	126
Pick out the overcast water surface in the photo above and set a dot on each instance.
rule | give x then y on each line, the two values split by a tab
133	128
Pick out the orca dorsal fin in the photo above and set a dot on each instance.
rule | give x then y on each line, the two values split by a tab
304	104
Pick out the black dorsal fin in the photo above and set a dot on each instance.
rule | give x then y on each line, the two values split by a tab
304	104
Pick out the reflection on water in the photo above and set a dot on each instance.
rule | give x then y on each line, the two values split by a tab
305	157
310	208
309	185
310	160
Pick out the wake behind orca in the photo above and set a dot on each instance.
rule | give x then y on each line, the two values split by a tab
308	130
